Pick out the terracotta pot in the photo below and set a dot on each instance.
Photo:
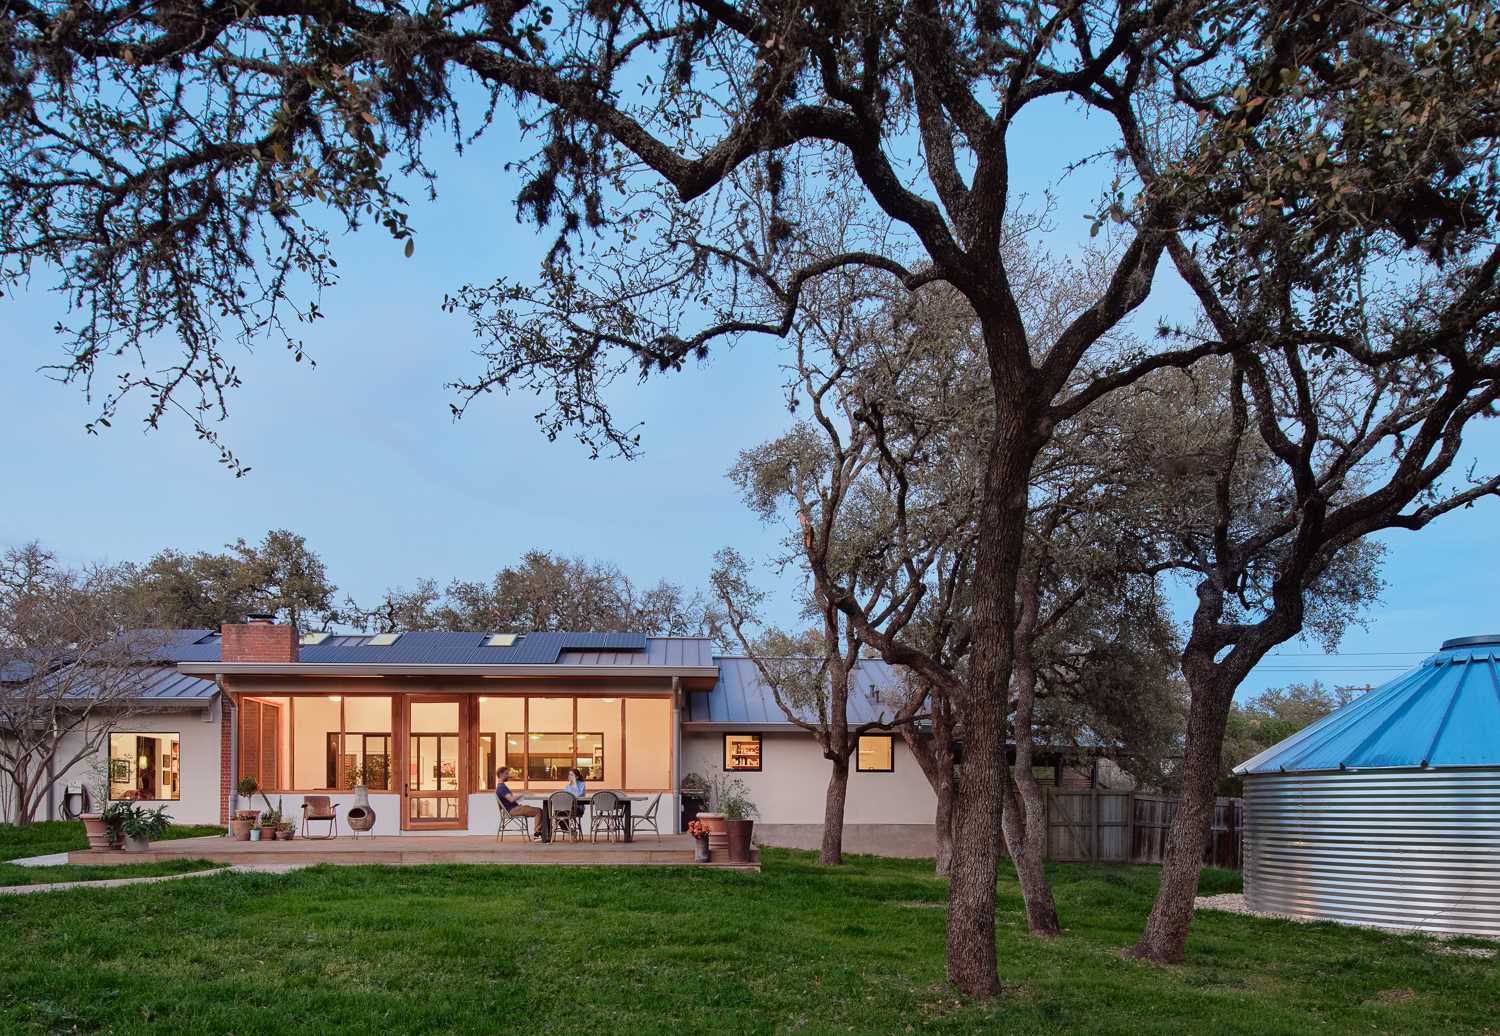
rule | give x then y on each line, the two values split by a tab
718	834
739	840
286	833
240	828
98	832
267	834
137	843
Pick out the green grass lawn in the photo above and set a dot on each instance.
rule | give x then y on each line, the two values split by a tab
15	874
61	836
798	948
57	836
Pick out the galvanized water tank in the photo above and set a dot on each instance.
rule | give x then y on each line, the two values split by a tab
1388	811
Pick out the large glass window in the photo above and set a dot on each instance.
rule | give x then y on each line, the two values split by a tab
876	754
335	739
599	750
742	751
502	735
613	742
144	766
648	748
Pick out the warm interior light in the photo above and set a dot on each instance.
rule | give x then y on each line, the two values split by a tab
483	699
143	762
335	697
609	701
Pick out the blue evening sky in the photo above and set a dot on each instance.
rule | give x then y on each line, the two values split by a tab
361	456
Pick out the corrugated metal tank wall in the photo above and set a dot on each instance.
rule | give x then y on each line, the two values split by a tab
1413	849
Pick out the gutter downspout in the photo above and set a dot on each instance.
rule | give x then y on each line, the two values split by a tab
677	704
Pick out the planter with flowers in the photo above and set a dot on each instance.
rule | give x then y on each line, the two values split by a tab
699	830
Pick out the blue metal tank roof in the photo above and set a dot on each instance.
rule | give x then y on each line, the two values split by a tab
1444	713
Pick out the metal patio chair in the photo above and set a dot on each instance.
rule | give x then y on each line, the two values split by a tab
647	819
318	808
608	816
562	805
511	822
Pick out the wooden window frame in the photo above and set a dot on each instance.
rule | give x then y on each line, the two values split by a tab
760	753
890	740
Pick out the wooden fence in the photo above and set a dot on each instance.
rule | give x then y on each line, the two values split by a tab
1102	826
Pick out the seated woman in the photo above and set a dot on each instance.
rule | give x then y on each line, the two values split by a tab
576	788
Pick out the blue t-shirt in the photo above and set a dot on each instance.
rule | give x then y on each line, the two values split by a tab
503	793
576	789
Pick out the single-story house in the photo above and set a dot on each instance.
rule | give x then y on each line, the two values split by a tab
427	717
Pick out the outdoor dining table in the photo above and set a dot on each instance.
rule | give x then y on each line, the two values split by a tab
588	800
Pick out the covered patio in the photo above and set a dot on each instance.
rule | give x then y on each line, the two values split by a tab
671	850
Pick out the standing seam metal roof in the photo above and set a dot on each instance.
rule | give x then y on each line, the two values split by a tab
1445	712
742	697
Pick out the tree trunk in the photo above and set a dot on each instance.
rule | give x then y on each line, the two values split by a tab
981	708
833	814
1165	936
943	830
971	884
1026	818
1026	838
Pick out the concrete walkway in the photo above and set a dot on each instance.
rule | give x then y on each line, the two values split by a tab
110	883
50	860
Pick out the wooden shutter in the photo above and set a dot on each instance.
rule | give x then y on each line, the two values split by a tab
250	739
270	746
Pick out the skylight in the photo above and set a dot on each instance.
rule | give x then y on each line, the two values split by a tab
309	639
383	639
501	640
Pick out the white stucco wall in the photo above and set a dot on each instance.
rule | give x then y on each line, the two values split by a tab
198	755
792	784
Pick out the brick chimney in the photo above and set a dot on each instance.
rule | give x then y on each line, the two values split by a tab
257	639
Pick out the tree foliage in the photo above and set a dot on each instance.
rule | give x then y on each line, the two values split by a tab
68	671
280	575
543	591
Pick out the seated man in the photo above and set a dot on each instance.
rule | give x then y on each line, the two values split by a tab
513	805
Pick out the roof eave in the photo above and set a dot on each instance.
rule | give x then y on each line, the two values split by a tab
488	671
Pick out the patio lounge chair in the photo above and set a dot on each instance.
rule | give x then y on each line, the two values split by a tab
647	819
319	808
608	816
562	805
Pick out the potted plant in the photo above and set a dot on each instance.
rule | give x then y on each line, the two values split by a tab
739	814
139	825
94	824
270	820
113	819
699	830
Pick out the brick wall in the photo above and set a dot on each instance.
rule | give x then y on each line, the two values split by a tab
226	756
257	642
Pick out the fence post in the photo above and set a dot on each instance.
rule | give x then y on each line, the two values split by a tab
1130	826
1094	821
